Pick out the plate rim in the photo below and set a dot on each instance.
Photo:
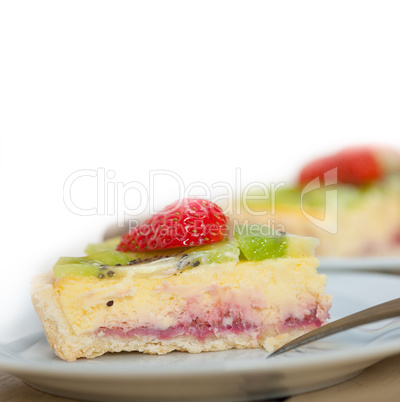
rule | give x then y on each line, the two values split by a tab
328	359
366	263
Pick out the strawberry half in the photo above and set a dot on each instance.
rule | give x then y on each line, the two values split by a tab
358	165
185	223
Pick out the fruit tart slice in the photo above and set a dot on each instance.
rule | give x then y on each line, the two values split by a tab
176	282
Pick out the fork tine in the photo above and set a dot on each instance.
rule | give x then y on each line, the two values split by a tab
379	312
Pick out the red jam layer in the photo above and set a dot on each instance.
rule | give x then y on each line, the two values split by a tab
202	329
199	329
308	320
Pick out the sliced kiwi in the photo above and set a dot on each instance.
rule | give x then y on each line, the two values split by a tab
103	263
106	251
84	266
217	253
259	242
254	242
79	266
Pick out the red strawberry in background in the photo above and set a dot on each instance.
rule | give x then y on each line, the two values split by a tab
185	223
357	165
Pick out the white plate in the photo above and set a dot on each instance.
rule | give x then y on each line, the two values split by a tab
382	264
231	375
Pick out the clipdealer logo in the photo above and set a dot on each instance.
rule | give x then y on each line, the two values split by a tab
113	197
329	222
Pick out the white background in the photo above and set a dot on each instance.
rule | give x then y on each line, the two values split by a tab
198	88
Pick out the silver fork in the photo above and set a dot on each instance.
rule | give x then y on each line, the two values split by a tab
379	312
